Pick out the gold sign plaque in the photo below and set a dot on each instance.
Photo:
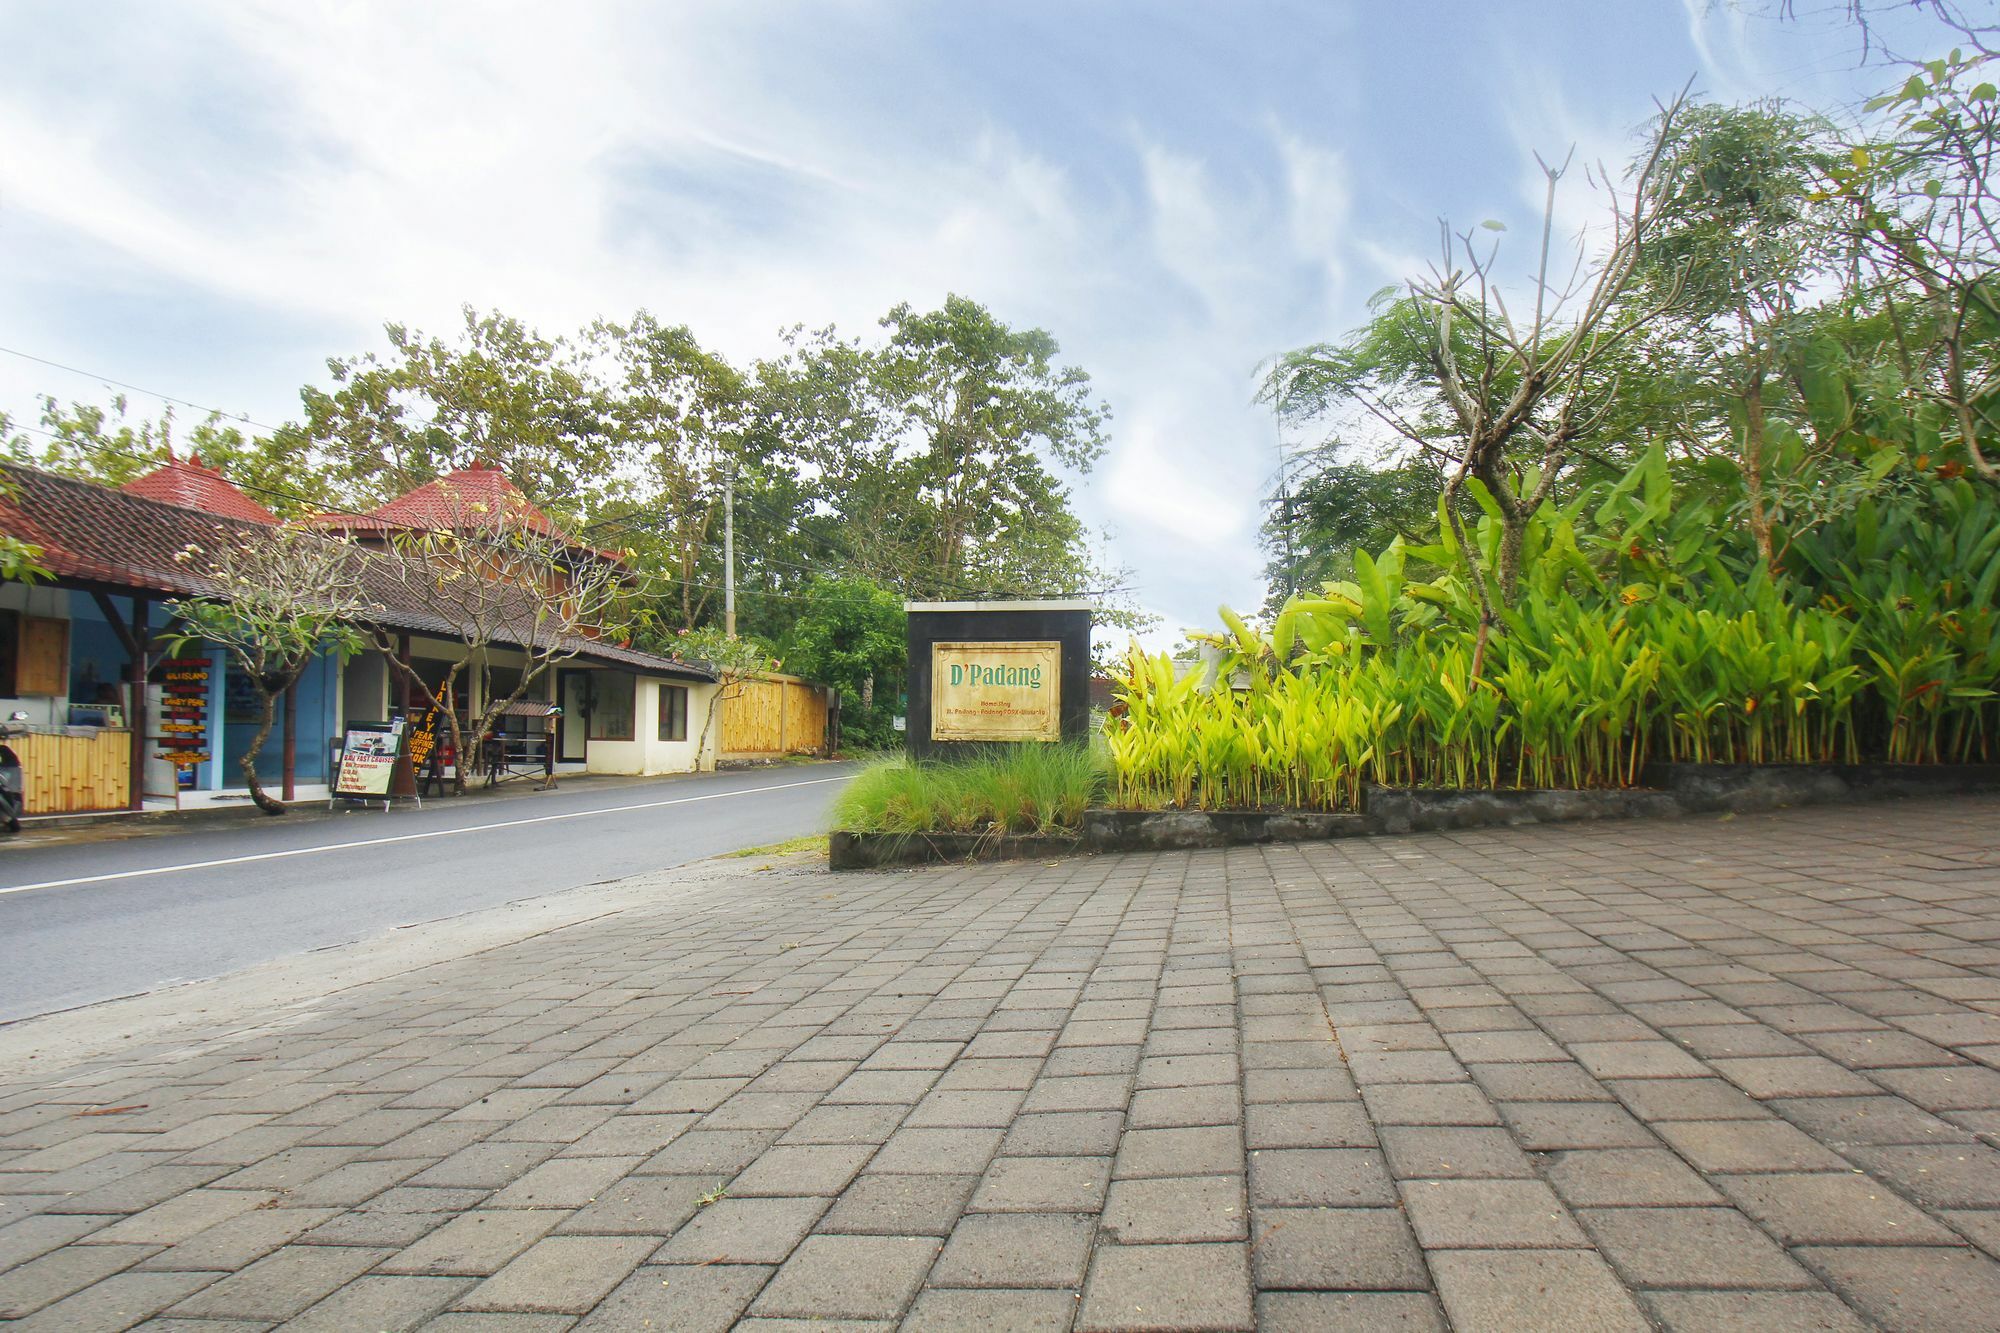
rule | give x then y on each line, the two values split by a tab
996	691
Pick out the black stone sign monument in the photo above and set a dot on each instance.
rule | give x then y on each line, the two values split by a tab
997	673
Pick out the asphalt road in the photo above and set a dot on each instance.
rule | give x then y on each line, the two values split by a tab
90	921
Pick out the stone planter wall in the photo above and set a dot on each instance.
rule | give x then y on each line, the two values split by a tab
1161	830
1671	789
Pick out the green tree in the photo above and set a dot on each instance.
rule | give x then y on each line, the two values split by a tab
1331	508
499	395
280	598
935	455
851	634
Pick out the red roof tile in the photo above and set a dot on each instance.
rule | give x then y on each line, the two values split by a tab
117	541
193	486
454	501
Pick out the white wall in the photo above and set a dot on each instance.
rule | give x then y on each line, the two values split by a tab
646	752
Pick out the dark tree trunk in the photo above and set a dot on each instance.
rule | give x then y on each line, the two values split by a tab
267	715
291	741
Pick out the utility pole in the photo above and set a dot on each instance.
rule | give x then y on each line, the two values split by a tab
729	554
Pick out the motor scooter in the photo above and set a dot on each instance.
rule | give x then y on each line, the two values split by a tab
10	781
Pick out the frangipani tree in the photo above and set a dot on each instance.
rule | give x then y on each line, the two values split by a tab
281	598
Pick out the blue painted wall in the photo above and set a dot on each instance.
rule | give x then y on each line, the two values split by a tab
95	658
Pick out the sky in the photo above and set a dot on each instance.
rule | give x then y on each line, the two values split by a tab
209	200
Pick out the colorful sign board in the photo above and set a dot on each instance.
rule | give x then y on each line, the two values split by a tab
368	761
1001	691
183	726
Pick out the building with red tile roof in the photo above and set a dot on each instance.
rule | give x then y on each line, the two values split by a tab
193	485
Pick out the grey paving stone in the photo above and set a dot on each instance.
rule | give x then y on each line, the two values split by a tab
282	1284
1653	1099
1832	1209
1906	1287
560	1275
1015	1250
38	1234
1427	1152
1061	1134
899	1205
1320	1177
1335	1249
1952	1175
1359	1311
639	1206
1488	1215
1555	1126
1690	1247
950	1311
1187	1286
1043	1185
1626	1177
1533	1289
1740	1146
1170	1108
1849	1121
848	1277
1176	1209
1216	1149
692	1298
823	1169
709	1152
116	1302
1429	1104
381	1304
1775	1311
1307	1125
462	1322
743	1231
474	1244
563	1182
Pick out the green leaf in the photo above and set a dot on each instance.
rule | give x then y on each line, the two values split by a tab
1493	224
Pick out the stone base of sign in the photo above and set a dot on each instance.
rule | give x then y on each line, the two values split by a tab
1672	790
1161	830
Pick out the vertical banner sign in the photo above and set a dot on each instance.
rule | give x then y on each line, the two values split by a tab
423	738
183	737
996	691
368	761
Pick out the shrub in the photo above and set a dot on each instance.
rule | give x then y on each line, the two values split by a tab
1027	789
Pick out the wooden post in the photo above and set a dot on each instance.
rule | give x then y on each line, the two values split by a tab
136	671
133	638
403	778
290	717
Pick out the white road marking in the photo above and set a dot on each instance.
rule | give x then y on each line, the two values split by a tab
408	837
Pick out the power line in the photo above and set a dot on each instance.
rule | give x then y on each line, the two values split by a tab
135	388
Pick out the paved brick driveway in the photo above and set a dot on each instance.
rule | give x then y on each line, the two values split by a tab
1702	1073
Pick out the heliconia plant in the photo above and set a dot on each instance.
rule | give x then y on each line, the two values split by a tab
1634	636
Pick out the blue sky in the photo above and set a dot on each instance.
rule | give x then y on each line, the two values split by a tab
210	200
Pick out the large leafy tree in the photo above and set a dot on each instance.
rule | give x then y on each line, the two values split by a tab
499	394
938	455
851	634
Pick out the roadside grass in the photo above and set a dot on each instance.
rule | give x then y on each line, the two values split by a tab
809	842
1028	789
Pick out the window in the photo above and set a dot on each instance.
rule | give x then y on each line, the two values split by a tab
41	665
611	706
673	712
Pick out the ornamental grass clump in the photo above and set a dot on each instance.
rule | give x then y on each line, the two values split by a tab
1028	789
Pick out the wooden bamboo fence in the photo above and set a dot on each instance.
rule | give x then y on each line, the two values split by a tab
773	715
68	773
